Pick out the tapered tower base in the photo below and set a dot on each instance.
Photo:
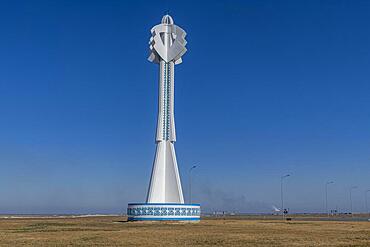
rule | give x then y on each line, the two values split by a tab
165	184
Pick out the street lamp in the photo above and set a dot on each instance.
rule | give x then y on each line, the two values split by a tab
282	194
190	170
366	205
350	198
326	196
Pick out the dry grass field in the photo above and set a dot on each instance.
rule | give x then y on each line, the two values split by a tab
114	231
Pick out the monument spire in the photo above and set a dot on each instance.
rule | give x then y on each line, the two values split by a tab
165	200
167	46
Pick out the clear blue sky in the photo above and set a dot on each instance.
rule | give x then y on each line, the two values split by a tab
266	88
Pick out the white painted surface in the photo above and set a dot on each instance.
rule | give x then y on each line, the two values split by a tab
167	45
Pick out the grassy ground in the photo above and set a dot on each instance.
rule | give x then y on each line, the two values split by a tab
113	231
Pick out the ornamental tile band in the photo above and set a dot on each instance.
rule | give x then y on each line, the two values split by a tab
180	212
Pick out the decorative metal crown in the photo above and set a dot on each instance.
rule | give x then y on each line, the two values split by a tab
172	51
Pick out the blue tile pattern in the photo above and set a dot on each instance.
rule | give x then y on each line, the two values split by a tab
163	211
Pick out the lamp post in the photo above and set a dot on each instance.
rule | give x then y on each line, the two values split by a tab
326	196
366	205
190	170
350	198
282	194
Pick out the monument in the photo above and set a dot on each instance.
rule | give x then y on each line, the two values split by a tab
165	200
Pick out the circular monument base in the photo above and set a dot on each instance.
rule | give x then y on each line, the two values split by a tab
163	211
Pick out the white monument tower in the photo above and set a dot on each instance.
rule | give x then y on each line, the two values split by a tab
165	200
167	45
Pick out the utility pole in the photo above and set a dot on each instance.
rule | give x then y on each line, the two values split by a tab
350	198
326	196
366	204
282	195
190	170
